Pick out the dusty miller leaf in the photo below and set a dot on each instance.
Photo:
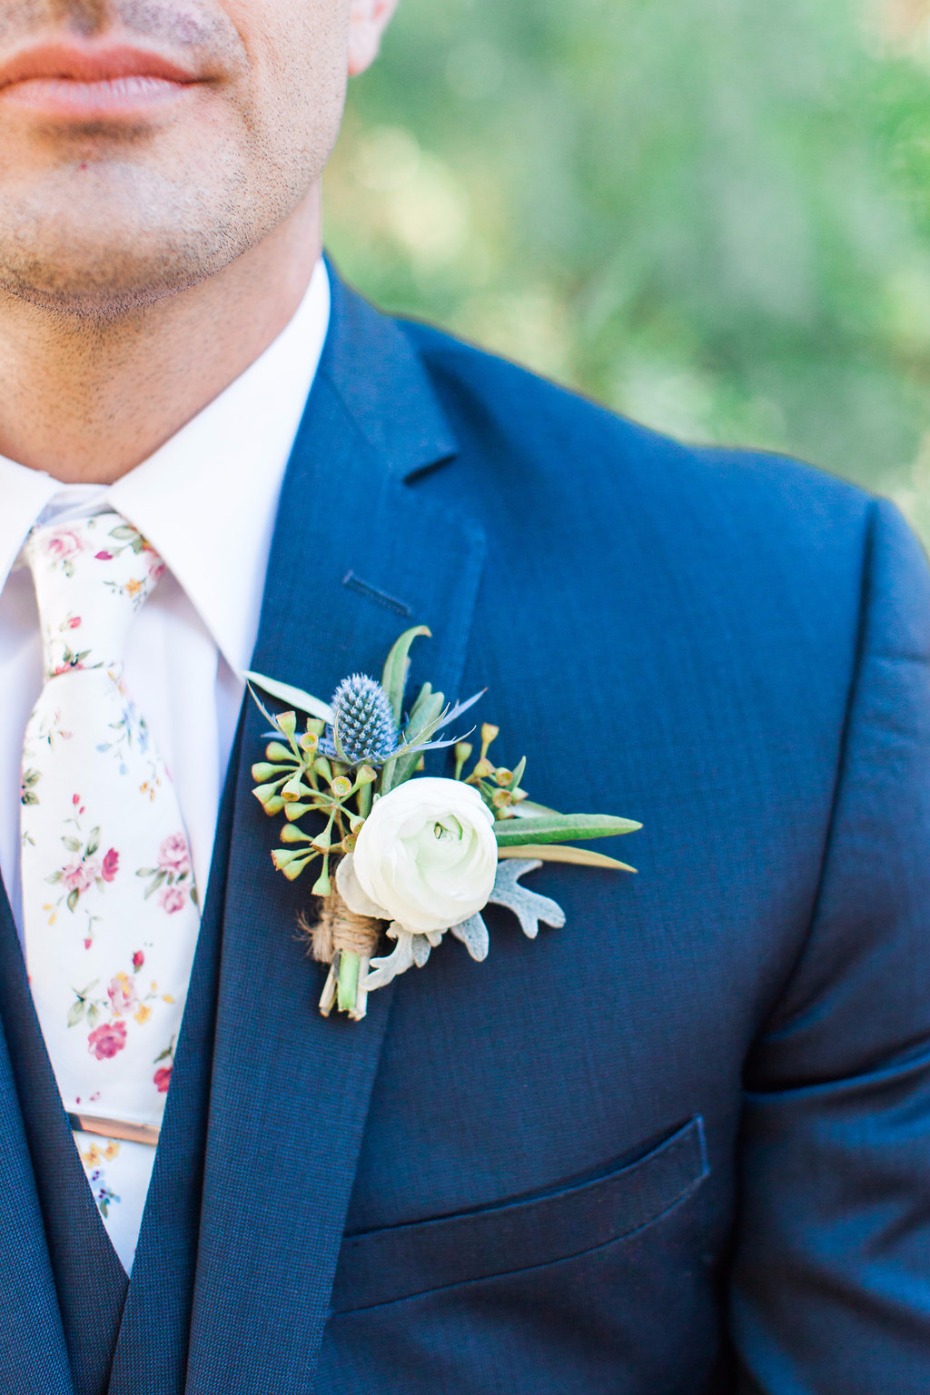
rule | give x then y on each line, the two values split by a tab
527	906
473	934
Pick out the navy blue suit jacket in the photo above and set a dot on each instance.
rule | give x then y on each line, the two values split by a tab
680	1147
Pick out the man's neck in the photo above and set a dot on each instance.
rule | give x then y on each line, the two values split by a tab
86	401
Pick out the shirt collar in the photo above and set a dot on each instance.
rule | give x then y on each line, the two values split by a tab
207	499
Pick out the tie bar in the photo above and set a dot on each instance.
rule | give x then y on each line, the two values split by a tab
115	1128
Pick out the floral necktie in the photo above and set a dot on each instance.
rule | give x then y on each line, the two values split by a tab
110	916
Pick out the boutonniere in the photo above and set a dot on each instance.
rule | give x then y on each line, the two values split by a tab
395	851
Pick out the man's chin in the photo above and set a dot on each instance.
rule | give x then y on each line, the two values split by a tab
81	296
110	240
93	278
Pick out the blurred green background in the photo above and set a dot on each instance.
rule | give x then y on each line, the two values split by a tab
714	216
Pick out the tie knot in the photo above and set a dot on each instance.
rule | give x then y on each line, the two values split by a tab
91	575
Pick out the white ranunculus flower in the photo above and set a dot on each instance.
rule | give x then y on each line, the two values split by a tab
426	856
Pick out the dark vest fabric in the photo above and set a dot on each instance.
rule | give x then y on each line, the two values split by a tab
122	1337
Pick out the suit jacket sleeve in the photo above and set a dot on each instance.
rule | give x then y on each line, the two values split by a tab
830	1285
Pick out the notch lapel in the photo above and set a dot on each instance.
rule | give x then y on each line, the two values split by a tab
359	555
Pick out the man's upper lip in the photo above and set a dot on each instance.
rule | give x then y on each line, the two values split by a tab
91	63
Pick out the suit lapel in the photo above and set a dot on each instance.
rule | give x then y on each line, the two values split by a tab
359	554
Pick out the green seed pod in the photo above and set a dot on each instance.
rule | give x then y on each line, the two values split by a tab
263	771
265	792
274	751
287	722
290	833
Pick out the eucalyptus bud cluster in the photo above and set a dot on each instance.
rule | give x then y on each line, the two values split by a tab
498	785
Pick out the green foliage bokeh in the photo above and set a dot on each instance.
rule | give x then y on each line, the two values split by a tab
713	216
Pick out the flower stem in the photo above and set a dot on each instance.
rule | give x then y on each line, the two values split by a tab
349	965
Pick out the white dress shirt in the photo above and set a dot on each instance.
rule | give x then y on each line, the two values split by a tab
206	500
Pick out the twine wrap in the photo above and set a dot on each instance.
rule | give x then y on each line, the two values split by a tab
339	930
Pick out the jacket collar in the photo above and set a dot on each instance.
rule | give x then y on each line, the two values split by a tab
361	551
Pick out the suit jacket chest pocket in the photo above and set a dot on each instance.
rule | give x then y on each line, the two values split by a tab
383	1266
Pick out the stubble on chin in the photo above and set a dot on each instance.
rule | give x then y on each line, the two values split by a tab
103	253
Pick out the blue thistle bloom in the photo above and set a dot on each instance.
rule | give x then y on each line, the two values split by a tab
364	731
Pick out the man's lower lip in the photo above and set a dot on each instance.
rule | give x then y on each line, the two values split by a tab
70	99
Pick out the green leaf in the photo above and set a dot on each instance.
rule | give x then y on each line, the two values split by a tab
580	857
72	844
294	697
77	1012
518	774
93	842
93	1015
157	881
394	677
560	828
74	897
528	809
424	720
426	702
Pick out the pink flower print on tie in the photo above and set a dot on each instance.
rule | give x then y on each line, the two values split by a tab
84	871
172	899
136	588
108	1013
174	855
61	546
162	1077
79	877
172	875
121	991
107	1041
70	658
